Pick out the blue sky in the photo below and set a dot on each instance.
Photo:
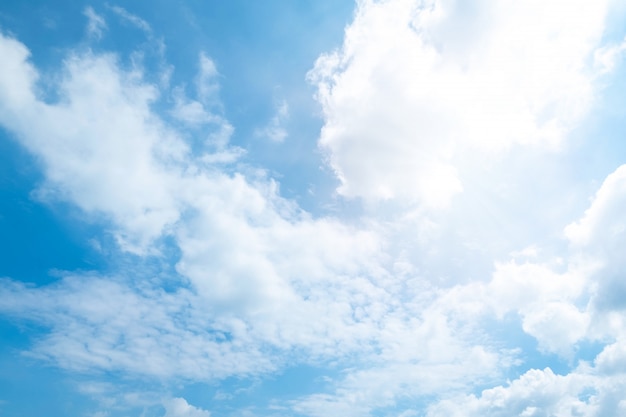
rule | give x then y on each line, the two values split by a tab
382	208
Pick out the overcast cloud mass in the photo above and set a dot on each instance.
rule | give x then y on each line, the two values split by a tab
407	208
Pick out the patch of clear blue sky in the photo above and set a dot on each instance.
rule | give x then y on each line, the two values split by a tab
34	237
262	51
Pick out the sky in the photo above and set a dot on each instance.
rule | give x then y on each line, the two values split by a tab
394	208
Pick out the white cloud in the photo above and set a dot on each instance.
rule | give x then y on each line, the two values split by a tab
424	374
520	286
539	393
178	407
536	393
132	19
190	111
598	238
275	130
604	223
551	306
100	145
205	111
612	359
557	326
563	301
16	77
605	58
96	24
418	88
100	323
207	85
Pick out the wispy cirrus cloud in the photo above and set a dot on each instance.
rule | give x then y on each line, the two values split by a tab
131	18
275	129
96	24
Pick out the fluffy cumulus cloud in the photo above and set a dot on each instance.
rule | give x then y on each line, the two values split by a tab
597	239
542	393
406	304
100	146
562	302
178	407
601	231
536	393
419	86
